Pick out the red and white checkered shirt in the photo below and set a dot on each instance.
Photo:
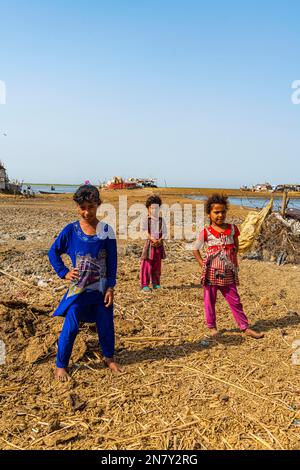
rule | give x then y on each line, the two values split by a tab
220	265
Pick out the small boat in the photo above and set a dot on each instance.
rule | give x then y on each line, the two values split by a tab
50	192
293	213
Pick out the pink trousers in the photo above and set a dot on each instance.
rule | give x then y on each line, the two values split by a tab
151	269
232	297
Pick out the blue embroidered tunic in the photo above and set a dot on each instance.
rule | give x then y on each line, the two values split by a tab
95	257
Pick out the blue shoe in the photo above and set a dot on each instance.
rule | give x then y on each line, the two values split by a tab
157	286
146	289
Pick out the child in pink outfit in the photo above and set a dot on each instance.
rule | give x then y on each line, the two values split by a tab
153	250
220	266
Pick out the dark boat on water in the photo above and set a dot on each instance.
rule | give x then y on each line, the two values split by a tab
293	213
50	192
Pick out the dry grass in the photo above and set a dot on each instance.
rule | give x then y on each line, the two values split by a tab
178	390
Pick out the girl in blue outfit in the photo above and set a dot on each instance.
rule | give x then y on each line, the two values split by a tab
91	245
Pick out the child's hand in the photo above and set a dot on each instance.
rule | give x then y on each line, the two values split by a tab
109	298
198	258
72	275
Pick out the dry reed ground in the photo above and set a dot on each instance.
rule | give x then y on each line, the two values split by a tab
178	390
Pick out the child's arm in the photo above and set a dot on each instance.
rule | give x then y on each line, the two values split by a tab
198	257
236	238
112	261
198	245
236	243
58	248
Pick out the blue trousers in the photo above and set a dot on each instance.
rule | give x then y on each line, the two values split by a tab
98	313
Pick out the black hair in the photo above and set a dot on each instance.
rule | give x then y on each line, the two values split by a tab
154	199
87	193
216	198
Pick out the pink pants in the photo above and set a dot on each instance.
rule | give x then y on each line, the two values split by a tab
232	297
151	269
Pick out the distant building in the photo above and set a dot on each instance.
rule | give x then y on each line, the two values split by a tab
5	184
263	187
4	181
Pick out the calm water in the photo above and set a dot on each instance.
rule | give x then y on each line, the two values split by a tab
244	201
256	203
58	189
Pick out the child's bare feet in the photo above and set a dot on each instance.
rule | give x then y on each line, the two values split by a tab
213	332
113	365
253	334
61	374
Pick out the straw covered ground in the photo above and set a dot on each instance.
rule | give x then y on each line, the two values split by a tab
178	389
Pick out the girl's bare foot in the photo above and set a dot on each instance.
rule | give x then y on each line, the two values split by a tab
61	374
253	334
113	365
213	332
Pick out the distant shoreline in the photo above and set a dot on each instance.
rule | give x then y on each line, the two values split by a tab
233	192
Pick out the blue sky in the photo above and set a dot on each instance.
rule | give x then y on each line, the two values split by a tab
194	93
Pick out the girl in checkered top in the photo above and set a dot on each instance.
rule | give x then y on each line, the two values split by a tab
220	266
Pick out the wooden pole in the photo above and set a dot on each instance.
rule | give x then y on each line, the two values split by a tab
285	201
